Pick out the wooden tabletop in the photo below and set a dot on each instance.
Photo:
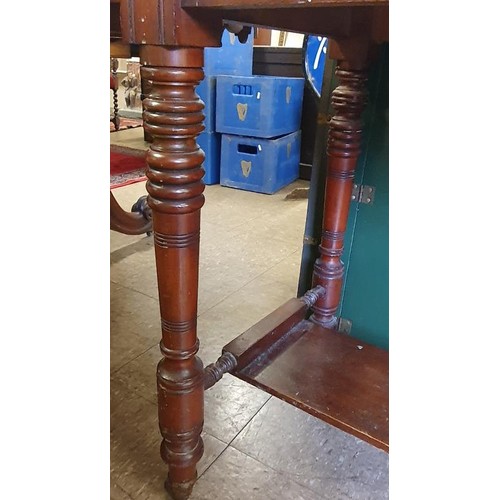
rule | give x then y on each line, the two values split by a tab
198	23
279	4
324	17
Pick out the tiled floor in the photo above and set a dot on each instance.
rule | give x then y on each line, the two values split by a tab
256	446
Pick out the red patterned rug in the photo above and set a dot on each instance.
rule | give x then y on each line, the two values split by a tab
126	123
127	166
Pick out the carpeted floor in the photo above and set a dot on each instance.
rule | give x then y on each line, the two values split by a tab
127	166
126	123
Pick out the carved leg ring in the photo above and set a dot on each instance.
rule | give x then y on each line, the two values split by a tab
173	117
344	145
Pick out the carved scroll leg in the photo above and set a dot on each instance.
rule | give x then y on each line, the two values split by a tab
128	222
173	117
344	145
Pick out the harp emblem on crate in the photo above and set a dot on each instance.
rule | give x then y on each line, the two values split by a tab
246	166
242	110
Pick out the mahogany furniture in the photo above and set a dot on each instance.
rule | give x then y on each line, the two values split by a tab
296	353
138	221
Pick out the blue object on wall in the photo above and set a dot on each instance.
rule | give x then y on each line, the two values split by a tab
314	60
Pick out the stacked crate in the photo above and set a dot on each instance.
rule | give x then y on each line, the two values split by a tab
259	119
232	58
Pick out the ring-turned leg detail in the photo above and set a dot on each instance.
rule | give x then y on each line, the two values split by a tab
344	146
173	117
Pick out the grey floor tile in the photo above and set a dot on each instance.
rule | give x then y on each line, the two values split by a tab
315	454
136	465
116	493
238	312
234	262
283	221
286	272
126	196
143	245
230	405
231	208
134	267
139	375
235	476
225	266
130	138
134	325
118	241
227	261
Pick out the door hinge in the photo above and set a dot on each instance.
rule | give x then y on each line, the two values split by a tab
363	194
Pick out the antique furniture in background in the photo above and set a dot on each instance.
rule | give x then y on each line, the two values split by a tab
296	353
138	220
114	87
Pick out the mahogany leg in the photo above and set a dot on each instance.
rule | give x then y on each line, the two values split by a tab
173	117
344	145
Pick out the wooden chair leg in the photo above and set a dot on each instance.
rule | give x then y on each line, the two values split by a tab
116	109
173	116
116	117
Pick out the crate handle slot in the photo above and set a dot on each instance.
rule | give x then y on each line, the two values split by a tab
247	148
242	90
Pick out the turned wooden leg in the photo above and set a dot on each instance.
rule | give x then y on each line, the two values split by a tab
116	109
344	145
173	117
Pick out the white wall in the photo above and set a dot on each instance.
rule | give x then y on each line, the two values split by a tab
291	39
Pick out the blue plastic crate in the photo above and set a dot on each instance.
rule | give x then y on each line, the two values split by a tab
258	106
232	58
206	91
259	165
210	142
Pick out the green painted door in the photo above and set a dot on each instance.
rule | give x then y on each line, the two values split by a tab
365	297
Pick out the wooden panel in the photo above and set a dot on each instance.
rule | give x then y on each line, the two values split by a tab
151	22
318	21
262	36
332	19
114	21
332	376
119	50
266	333
276	4
199	24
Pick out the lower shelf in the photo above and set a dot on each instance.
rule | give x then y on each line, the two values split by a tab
330	375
